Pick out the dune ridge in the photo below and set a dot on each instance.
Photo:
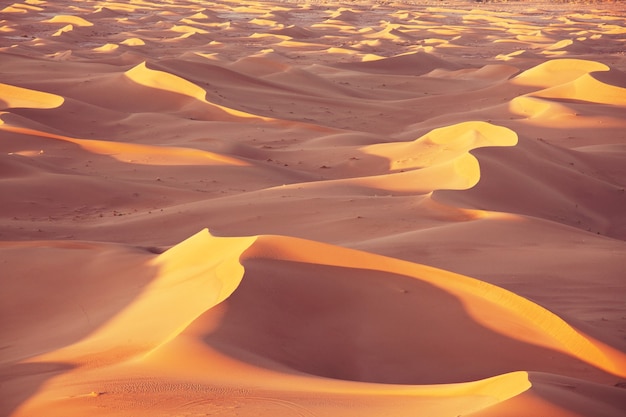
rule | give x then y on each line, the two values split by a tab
183	273
414	208
463	287
136	153
13	96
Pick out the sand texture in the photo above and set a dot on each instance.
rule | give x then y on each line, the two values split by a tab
312	209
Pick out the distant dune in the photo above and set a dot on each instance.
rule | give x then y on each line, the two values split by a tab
312	208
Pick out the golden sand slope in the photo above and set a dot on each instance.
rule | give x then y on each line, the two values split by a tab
414	209
307	319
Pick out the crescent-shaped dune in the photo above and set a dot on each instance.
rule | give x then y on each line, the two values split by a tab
17	97
415	208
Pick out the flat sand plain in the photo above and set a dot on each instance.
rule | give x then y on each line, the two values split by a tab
250	208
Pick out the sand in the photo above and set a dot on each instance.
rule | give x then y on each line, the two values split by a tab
250	208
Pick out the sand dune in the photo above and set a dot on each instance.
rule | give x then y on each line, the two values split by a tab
411	64
16	97
360	301
413	208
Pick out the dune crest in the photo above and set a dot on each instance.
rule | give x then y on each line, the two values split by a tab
543	327
142	75
186	259
415	209
587	88
443	144
139	154
440	159
199	272
133	42
557	71
160	80
73	20
14	97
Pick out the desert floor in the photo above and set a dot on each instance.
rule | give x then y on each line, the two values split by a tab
249	208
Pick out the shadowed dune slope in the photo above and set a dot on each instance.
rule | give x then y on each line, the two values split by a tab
302	310
573	187
415	208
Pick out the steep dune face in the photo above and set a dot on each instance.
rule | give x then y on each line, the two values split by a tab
592	201
414	209
356	304
310	317
92	305
13	96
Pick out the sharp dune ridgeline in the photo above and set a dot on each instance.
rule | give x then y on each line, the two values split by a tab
311	208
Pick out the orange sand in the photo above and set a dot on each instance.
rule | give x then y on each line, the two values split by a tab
414	208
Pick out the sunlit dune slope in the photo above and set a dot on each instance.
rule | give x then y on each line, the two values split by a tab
415	208
558	71
296	311
439	159
283	288
13	96
120	294
577	188
560	396
487	305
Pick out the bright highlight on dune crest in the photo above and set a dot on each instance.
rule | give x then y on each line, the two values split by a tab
415	208
71	19
160	80
14	97
440	159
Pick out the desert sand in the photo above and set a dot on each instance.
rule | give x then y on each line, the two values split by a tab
303	208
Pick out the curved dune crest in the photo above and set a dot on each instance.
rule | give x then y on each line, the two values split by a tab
133	42
142	75
554	177
495	308
205	270
538	108
443	144
459	173
63	30
400	224
190	278
202	255
587	88
18	97
21	8
74	20
189	30
140	154
438	160
557	71
109	47
156	155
